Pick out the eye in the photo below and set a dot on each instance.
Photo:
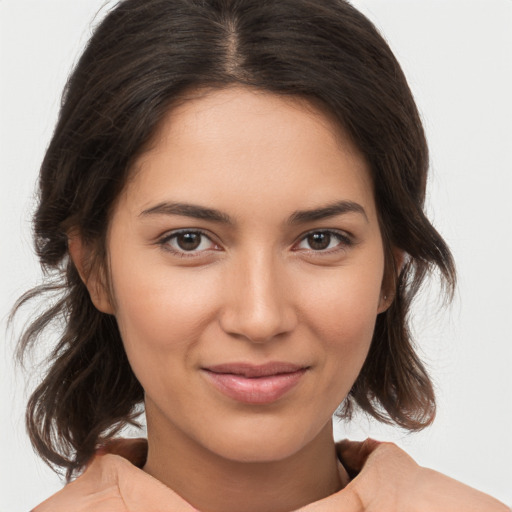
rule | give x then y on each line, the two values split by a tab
323	241
187	241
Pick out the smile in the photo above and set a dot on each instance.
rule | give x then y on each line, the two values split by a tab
254	384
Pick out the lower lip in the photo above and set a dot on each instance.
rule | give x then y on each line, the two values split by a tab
258	390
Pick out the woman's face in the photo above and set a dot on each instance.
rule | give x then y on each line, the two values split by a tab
246	265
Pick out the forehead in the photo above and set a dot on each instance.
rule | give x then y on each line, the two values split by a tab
240	145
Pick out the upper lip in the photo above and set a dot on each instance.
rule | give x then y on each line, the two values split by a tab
256	370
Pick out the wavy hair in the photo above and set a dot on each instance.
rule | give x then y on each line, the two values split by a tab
144	57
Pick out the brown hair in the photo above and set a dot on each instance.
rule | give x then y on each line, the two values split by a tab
144	56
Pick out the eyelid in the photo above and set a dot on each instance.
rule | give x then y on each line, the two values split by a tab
163	241
346	240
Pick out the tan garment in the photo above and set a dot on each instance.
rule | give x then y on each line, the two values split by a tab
114	482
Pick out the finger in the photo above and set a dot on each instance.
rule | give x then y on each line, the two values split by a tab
353	454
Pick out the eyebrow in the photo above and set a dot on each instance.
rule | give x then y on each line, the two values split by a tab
326	212
189	210
297	217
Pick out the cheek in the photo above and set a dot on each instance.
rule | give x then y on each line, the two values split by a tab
341	313
347	332
161	315
160	308
343	309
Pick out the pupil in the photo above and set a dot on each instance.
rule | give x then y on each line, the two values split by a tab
189	241
319	241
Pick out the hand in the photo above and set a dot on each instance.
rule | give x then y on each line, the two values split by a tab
388	480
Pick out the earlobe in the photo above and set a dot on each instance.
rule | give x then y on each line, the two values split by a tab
91	276
389	284
385	302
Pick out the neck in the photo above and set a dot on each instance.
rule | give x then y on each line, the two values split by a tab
212	483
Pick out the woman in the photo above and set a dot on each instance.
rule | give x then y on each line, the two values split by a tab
234	191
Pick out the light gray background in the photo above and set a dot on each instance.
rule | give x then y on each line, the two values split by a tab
458	58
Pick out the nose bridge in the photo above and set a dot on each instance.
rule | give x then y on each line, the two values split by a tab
259	306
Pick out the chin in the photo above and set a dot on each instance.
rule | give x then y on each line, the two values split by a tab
263	441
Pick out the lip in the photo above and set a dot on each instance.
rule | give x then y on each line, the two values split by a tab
254	384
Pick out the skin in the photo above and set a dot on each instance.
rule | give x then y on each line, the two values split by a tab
255	290
388	480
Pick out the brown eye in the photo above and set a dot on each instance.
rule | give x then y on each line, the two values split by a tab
319	241
188	241
324	241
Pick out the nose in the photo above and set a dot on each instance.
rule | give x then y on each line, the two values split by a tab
258	305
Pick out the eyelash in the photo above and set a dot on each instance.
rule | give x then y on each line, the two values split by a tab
164	242
343	238
344	241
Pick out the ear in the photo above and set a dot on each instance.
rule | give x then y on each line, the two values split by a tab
391	271
92	276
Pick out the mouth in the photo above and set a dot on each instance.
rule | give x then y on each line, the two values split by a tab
255	384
